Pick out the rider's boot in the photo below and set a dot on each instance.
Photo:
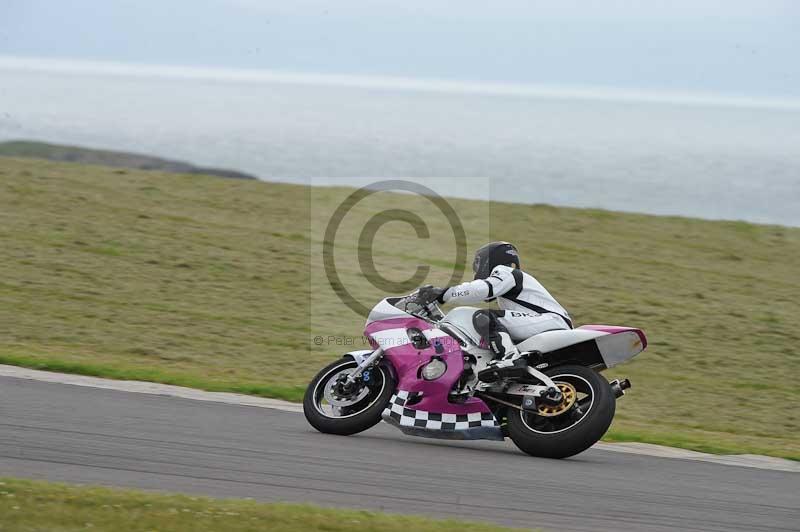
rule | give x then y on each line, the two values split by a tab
508	363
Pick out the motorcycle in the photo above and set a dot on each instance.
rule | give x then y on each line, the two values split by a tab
422	376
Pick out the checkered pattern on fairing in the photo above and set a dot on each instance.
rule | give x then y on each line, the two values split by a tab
407	417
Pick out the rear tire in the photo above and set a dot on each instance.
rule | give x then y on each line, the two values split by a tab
364	414
545	438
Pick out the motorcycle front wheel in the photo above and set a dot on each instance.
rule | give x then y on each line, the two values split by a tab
565	430
333	407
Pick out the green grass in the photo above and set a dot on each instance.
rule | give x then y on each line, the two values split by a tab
218	284
37	506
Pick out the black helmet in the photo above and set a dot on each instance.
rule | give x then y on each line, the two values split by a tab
494	254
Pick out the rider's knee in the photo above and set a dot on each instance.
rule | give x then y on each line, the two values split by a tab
485	322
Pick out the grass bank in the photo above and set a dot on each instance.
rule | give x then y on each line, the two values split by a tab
32	506
218	284
76	154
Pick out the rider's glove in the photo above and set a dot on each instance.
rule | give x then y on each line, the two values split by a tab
428	294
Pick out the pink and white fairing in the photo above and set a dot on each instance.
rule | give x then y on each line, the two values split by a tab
418	405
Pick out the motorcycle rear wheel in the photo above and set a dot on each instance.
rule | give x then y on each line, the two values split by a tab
362	407
575	430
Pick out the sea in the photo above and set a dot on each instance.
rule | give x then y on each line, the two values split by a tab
700	155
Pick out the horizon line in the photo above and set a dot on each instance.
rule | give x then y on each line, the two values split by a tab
431	85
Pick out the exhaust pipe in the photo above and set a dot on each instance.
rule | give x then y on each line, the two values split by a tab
619	387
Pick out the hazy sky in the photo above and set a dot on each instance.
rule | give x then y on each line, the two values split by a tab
746	48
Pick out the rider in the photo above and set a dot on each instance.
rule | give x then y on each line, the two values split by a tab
526	307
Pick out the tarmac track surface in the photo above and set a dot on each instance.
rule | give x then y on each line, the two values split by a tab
76	434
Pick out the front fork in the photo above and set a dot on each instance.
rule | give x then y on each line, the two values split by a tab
365	359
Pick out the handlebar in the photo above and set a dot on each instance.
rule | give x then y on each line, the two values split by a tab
428	312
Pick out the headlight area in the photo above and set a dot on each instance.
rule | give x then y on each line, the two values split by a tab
434	369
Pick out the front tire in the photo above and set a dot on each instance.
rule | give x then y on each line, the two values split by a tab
575	430
352	413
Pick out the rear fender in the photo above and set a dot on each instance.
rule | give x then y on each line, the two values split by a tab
598	347
620	347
